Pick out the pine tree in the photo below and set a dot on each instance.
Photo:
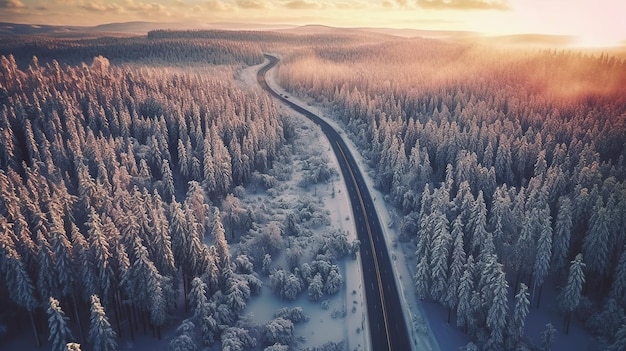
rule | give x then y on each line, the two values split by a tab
439	258
596	242
316	286
169	191
57	325
518	321
62	249
562	233
466	287
100	254
146	285
101	334
184	339
219	239
496	317
544	252
422	278
572	293
456	266
547	337
237	339
477	224
201	311
333	281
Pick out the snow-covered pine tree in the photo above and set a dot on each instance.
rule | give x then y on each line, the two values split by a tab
184	340
278	330
547	337
456	268
544	252
439	257
333	281
60	333
201	309
465	290
515	328
571	295
316	286
562	233
101	335
597	240
497	314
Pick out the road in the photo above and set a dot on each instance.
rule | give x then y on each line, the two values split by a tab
388	329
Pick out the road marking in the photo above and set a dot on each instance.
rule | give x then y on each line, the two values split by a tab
369	232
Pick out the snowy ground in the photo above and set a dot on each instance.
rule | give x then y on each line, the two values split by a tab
322	326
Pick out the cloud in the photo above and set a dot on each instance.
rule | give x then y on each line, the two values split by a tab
464	4
215	5
251	4
97	7
11	4
302	5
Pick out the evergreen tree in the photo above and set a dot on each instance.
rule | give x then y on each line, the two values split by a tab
316	286
201	311
333	281
456	266
169	191
517	322
439	258
496	317
572	293
237	339
562	233
547	337
422	278
219	239
184	339
146	285
57	325
100	253
544	251
466	287
101	334
596	242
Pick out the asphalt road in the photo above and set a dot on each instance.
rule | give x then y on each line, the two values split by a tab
388	329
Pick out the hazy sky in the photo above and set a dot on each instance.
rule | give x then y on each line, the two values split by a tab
596	21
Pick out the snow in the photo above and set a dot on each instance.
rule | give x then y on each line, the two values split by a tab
322	327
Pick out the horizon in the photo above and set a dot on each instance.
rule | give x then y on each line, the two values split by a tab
594	24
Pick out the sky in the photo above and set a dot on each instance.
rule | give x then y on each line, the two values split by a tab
596	22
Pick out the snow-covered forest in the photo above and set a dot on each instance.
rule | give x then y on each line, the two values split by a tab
122	194
508	169
148	192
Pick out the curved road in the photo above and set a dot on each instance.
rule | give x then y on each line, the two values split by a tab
386	319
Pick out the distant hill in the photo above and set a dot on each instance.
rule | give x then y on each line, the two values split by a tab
138	27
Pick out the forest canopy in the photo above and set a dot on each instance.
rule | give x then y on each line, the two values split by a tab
508	167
